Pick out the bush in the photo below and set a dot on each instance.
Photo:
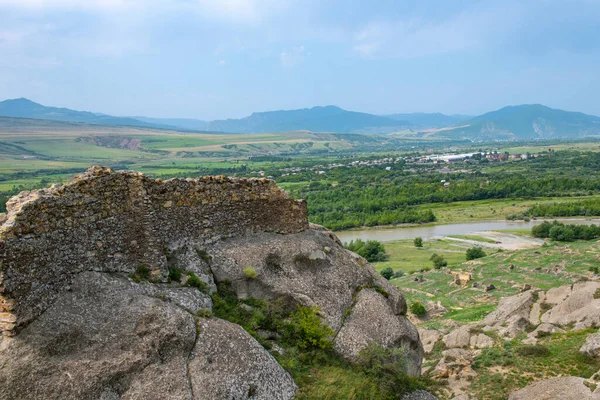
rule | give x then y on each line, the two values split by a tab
418	242
142	273
371	250
306	331
398	274
418	309
562	233
438	261
250	273
595	269
388	367
194	281
387	273
175	274
475	252
536	350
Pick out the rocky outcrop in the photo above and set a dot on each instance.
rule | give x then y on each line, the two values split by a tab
577	305
114	221
564	388
225	364
77	326
312	268
110	338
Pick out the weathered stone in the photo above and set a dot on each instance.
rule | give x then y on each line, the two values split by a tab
458	338
579	307
419	395
481	341
227	363
563	388
509	307
372	320
429	337
591	347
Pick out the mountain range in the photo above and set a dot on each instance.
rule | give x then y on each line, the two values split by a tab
509	123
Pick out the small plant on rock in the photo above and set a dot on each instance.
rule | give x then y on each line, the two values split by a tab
196	282
250	273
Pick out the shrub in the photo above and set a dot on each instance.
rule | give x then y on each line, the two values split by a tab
418	242
196	282
595	269
388	367
398	274
418	309
175	274
142	273
475	252
438	261
306	331
562	233
371	250
597	294
387	273
536	350
250	273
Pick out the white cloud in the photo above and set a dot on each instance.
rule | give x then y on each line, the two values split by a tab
292	57
416	37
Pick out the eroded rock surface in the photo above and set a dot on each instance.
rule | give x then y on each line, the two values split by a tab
564	388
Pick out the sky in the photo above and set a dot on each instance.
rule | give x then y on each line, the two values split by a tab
213	59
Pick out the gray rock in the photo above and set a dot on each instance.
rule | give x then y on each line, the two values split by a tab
481	341
419	395
429	337
341	284
591	347
579	307
108	338
227	363
563	388
371	320
458	338
101	340
509	307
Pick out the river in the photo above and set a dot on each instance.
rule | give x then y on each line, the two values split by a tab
384	234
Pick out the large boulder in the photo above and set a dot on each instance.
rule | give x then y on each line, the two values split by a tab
578	306
225	364
591	347
311	268
372	320
563	388
110	338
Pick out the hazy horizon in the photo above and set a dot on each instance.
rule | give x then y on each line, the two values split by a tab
211	59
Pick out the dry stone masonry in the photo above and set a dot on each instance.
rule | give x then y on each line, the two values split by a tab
111	221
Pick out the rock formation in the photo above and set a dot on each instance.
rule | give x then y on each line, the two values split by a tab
76	326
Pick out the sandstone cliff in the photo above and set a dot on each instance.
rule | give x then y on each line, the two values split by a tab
76	326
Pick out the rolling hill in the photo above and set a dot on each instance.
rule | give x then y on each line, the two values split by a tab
528	121
316	119
24	108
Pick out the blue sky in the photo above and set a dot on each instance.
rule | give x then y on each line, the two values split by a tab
212	59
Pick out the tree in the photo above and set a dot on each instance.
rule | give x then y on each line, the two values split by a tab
418	242
562	233
475	252
372	250
438	261
387	273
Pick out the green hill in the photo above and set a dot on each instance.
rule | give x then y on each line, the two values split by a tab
529	121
